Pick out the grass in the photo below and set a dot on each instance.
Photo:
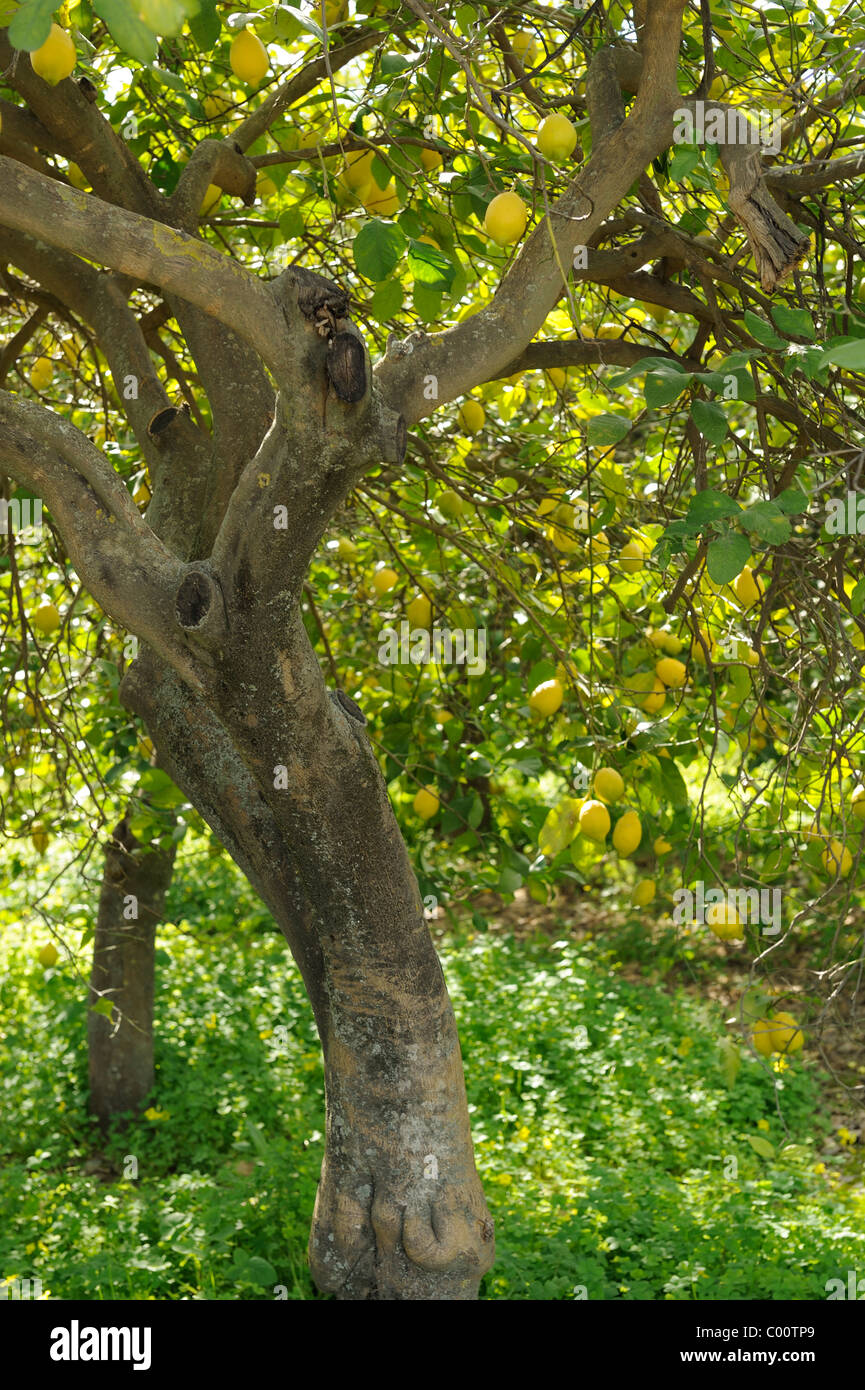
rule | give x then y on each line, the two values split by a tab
617	1162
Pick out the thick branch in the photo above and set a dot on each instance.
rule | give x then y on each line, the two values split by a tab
482	345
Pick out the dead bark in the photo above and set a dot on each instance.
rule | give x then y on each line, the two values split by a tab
120	1049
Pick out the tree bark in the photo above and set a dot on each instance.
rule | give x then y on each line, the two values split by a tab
120	1049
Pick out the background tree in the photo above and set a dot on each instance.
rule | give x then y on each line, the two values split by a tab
241	382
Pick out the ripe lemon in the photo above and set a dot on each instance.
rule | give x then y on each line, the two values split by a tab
248	58
358	168
77	178
662	846
557	377
857	802
212	195
49	955
557	138
631	557
506	218
627	834
216	106
748	589
594	820
656	697
836	859
382	201
335	11
547	697
426	803
672	672
430	159
56	58
644	892
265	187
419	611
41	373
346	549
608	784
471	416
46	619
725	922
599	547
762	1036
384	580
786	1035
525	48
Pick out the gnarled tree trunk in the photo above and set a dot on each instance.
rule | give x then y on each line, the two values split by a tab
120	1049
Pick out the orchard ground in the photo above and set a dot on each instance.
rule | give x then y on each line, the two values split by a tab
615	1157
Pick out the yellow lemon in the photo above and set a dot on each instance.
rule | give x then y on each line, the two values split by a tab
631	557
748	589
346	549
786	1035
557	376
672	672
49	955
836	859
656	697
335	11
39	839
430	159
248	58
644	893
525	48
594	820
212	195
547	697
724	921
662	846
608	784
46	619
358	170
627	834
506	218
419	611
215	106
426	803
471	416
857	802
384	579
557	138
265	187
56	58
382	201
41	373
762	1036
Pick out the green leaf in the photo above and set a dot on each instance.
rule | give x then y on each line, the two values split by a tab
105	1007
731	1061
427	301
727	556
762	331
761	1146
664	387
673	786
32	24
163	17
509	881
605	430
796	323
711	505
291	223
850	355
710	420
769	522
857	599
387	301
791	501
206	26
259	1271
684	162
378	248
560	827
429	266
127	30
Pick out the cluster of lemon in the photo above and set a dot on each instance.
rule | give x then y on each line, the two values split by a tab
779	1033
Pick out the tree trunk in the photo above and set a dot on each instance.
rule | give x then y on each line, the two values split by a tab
297	797
120	1049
